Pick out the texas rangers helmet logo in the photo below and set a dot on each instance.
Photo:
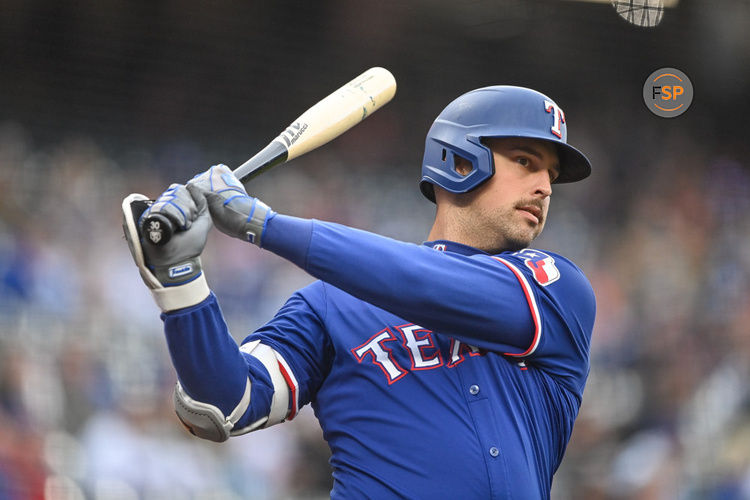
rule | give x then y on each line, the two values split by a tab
558	118
542	265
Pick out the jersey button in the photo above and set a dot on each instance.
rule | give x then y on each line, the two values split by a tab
494	451
474	389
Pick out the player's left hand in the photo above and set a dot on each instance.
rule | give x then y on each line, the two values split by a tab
233	211
172	271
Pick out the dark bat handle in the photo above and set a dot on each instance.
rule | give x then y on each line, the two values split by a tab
157	229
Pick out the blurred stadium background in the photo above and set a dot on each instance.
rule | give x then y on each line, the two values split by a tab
100	99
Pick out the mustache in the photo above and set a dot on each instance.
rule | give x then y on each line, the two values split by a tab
536	205
530	203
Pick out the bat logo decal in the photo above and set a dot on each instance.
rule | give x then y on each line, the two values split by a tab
293	133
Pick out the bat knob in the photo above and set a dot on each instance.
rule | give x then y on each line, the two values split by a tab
157	229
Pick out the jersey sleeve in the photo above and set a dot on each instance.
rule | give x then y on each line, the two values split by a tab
499	303
473	298
297	333
562	304
213	369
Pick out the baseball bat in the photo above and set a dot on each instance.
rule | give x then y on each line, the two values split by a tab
323	122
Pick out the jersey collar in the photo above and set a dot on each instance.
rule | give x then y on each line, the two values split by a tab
452	246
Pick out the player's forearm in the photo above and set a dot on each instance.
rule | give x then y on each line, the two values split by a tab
207	360
451	294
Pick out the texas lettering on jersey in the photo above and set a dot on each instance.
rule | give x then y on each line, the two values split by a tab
420	345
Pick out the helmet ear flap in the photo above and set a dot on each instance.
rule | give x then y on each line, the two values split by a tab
428	190
454	160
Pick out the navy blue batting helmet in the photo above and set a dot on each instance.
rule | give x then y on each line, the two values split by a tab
498	111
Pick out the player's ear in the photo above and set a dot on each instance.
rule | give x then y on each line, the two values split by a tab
462	166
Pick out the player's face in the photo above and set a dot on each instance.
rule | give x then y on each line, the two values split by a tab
510	209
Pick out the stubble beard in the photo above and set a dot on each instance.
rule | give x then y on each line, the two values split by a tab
500	230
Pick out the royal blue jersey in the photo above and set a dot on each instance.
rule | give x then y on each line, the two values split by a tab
435	370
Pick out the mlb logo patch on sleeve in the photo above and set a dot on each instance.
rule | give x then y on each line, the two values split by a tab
542	265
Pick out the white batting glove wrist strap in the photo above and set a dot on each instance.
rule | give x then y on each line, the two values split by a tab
171	298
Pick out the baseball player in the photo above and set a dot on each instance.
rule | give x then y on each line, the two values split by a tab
451	369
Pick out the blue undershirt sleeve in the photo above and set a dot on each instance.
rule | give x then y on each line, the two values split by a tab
288	237
209	365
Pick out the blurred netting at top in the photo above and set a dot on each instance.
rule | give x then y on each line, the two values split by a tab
100	100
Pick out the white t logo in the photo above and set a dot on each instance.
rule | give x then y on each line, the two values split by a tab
558	117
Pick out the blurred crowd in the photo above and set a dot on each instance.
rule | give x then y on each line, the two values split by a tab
85	379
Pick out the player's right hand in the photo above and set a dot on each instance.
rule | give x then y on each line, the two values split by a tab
173	271
233	211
